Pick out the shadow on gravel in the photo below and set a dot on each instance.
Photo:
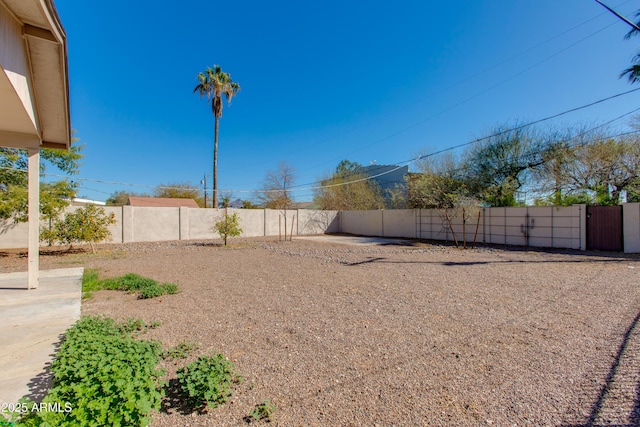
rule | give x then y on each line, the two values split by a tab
468	263
613	407
174	401
208	244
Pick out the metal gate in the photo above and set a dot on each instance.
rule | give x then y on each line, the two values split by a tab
604	228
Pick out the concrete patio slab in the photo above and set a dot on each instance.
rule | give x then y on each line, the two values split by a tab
32	323
354	240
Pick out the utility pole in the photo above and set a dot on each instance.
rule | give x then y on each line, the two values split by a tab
204	183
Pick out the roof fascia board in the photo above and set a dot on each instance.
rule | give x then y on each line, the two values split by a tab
40	33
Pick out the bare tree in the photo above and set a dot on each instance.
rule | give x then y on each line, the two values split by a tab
276	189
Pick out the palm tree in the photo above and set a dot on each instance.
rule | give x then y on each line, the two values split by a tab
214	84
633	72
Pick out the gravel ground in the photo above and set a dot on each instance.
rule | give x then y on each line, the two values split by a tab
390	335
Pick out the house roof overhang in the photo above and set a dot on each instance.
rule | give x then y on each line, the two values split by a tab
45	121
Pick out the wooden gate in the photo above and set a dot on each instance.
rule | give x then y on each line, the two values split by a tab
604	228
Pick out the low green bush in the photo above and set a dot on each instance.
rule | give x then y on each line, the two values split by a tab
143	286
207	381
90	282
104	376
169	288
132	282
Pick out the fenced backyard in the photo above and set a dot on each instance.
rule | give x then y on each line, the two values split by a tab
414	334
547	227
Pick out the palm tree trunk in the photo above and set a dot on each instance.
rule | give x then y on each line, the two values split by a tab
215	165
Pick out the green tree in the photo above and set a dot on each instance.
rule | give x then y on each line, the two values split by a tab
248	204
497	167
216	84
228	226
349	189
439	185
89	224
54	195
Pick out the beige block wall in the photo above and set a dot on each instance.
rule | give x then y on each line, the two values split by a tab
366	223
631	227
399	223
152	224
317	222
563	227
251	222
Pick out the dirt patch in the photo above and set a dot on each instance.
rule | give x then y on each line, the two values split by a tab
390	335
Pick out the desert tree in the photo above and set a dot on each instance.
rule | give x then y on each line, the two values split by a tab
440	185
605	167
497	166
348	188
215	84
438	182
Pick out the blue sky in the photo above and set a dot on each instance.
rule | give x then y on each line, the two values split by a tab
324	81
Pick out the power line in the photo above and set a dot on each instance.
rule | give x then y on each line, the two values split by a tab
305	147
410	161
482	92
311	186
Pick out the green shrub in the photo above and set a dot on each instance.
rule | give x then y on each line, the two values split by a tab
132	282
150	291
90	282
207	381
228	226
145	287
169	288
87	224
104	376
263	411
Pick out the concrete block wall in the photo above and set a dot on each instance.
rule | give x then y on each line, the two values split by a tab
365	223
150	224
563	227
432	225
317	222
252	221
398	223
147	224
538	226
631	227
551	227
